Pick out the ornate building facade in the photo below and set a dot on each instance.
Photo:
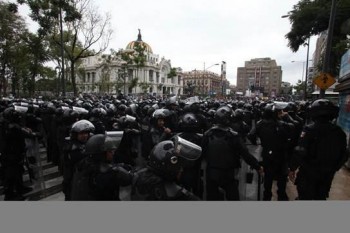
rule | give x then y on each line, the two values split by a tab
112	73
203	82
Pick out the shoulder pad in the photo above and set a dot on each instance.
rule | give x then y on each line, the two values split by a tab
172	189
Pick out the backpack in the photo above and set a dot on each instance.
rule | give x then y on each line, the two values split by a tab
327	150
220	150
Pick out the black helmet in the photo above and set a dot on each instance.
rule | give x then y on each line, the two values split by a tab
100	143
167	158
223	115
82	126
160	114
127	121
323	108
188	122
97	114
121	107
11	115
239	114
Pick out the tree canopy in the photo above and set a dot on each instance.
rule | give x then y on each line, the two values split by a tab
310	18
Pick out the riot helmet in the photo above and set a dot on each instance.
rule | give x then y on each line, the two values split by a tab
97	146
168	158
188	122
223	115
323	109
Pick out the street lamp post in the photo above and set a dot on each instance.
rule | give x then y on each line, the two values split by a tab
204	72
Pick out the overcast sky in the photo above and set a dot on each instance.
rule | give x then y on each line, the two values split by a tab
193	32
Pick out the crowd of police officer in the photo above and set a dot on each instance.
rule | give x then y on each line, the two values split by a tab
171	149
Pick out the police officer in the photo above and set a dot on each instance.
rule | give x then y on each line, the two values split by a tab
74	152
157	181
159	132
191	177
13	154
320	153
275	136
222	149
97	177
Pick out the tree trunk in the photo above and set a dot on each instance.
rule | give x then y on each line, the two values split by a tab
72	74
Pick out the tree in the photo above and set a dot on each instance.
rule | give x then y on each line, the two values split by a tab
84	28
311	18
299	87
12	29
172	73
91	28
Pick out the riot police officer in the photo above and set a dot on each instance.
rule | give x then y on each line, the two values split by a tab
157	181
13	154
321	152
74	152
275	136
191	176
222	150
97	177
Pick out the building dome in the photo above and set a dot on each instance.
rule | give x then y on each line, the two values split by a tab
132	44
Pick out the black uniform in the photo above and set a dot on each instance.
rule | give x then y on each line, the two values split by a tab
12	160
99	181
152	187
320	153
73	153
275	136
222	149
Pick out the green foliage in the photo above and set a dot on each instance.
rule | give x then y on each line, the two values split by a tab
46	13
299	86
144	86
133	83
310	18
172	73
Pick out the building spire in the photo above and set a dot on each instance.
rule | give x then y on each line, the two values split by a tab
139	36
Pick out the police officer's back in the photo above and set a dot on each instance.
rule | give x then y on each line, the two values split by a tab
222	150
275	136
320	153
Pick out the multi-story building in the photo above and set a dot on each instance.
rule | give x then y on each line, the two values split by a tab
204	82
260	76
310	85
102	76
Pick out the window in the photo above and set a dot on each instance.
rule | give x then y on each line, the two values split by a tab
93	77
150	74
88	77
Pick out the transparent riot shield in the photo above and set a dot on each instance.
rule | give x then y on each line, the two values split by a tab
250	182
34	164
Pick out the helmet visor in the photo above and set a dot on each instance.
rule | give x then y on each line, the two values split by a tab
186	149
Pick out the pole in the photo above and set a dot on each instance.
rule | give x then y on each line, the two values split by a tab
327	55
307	69
62	56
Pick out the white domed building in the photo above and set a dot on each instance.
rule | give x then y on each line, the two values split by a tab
111	73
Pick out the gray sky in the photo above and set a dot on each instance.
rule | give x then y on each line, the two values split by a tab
193	32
